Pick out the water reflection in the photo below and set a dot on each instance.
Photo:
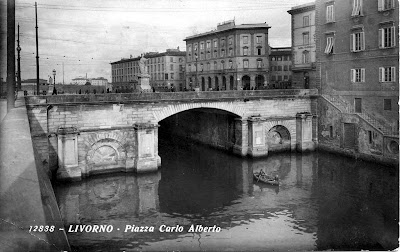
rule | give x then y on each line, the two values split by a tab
323	202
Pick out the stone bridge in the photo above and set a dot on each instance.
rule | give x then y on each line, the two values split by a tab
77	135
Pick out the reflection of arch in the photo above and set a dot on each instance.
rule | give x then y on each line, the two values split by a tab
393	147
259	81
246	82
177	108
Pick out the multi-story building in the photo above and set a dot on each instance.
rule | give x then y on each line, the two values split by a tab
100	81
359	54
229	58
280	60
303	45
80	81
166	70
358	64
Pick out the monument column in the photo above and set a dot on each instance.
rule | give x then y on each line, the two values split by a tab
146	154
67	150
304	141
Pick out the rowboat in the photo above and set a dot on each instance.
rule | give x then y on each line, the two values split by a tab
266	179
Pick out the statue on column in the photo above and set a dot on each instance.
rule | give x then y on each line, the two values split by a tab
142	65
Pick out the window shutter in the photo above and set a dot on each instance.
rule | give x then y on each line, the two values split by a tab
380	37
352	42
393	74
393	37
380	5
362	41
381	74
362	74
353	75
353	13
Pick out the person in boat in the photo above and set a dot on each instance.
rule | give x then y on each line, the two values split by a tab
262	173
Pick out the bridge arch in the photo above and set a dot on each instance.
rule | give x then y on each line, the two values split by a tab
177	108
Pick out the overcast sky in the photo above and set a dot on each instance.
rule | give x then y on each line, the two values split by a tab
87	35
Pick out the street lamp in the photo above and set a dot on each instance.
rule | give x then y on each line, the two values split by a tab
196	84
54	80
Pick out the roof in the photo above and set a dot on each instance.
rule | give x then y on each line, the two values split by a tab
231	27
302	8
152	55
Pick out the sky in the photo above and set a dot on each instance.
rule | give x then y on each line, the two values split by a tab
79	38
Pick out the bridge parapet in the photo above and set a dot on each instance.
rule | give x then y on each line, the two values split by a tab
172	96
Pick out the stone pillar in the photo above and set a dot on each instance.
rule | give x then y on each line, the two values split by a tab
257	144
252	81
67	150
146	156
304	140
241	136
144	82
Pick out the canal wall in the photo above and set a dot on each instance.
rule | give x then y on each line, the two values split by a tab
27	199
349	134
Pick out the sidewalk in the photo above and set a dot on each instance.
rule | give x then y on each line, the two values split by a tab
26	195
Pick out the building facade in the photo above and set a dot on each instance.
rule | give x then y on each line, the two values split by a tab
166	70
303	45
359	55
232	57
280	60
80	81
100	81
357	66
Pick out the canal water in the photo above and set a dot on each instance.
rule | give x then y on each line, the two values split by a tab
324	202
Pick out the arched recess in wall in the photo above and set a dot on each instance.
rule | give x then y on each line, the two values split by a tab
278	138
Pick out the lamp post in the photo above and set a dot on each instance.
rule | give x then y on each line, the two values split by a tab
54	81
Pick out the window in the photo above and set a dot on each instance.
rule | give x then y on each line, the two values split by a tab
230	41
273	59
245	40
285	68
171	67
215	43
329	45
222	65
387	74
279	68
245	64
306	21
222	42
357	75
166	76
258	50
357	42
195	47
387	37
279	58
208	44
215	65
370	136
222	53
230	64
201	46
273	78
259	63
306	57
386	5
306	38
258	39
357	8
279	77
245	51
172	76
230	52
330	14
387	104
189	68
208	66
215	54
